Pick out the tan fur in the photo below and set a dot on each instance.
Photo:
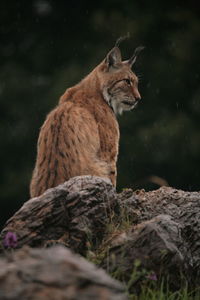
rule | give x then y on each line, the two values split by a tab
81	135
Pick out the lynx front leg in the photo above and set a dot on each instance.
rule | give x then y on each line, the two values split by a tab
113	176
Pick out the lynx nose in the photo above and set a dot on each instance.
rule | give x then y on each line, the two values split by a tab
136	94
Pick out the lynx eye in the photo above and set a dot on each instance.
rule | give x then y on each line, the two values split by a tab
127	81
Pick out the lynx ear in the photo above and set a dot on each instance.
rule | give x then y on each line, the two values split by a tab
132	60
113	58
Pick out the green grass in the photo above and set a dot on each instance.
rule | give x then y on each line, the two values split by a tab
153	293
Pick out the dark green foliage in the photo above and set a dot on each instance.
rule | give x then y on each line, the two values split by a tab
47	46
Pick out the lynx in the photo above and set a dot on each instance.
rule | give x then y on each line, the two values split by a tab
81	135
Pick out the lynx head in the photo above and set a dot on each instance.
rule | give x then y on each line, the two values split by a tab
119	84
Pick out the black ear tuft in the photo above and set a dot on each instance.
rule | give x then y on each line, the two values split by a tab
134	57
121	39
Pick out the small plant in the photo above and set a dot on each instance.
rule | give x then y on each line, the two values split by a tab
9	240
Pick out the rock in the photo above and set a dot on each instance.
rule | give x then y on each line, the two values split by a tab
54	273
69	214
163	233
158	247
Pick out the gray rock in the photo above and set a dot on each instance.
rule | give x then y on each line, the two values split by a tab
54	273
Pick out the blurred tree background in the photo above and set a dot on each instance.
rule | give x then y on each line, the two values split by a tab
47	46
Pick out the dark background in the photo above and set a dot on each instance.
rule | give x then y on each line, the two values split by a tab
47	46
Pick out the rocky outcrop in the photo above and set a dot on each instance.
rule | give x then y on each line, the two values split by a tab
163	234
161	228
